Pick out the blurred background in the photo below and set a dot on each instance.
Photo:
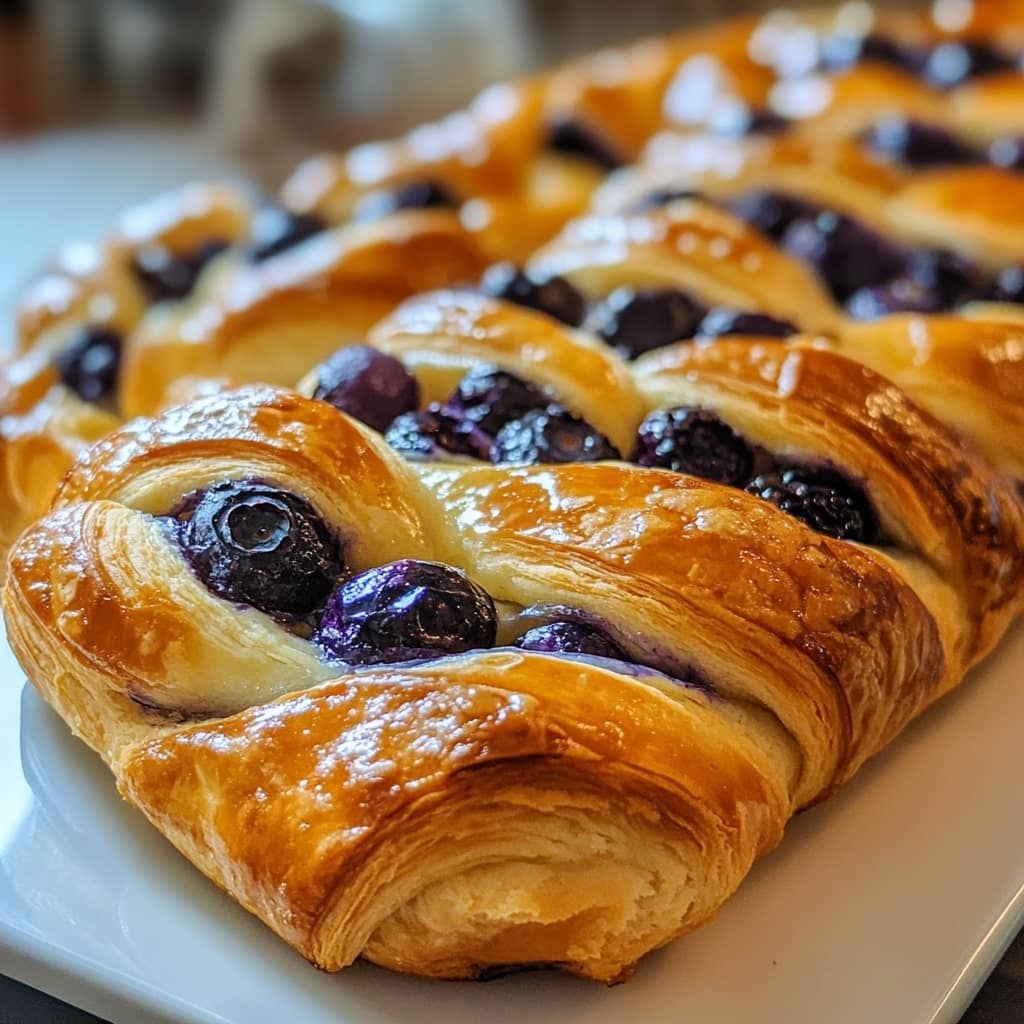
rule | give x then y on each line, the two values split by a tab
270	79
104	102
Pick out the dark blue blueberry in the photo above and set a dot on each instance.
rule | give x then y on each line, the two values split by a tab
551	435
635	322
370	386
734	121
772	212
825	500
900	295
552	295
256	545
435	432
165	275
842	51
662	197
917	144
90	362
722	320
566	637
406	611
694	441
1008	152
952	277
952	64
413	195
490	398
846	254
275	229
574	138
1009	285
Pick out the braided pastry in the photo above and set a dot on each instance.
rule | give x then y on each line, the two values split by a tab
900	130
569	755
519	632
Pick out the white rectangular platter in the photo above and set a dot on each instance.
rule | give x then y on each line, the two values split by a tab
889	903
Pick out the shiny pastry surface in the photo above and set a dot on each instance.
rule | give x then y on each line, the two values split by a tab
879	152
654	459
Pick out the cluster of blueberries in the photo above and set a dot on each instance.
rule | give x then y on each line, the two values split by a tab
945	66
919	144
262	547
90	363
870	275
494	415
265	548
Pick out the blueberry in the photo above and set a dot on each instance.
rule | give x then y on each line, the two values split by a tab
900	295
551	435
734	121
952	64
372	387
846	254
635	322
949	275
694	441
490	398
574	138
566	637
917	144
406	611
256	545
825	500
414	195
662	197
1009	285
275	229
90	362
721	321
165	275
1008	152
772	212
553	295
436	431
842	51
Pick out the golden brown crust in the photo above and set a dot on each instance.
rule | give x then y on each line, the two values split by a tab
270	322
670	547
934	495
707	251
99	580
440	336
502	807
95	283
792	658
436	749
968	372
36	450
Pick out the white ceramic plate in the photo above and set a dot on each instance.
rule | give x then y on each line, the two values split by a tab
890	903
